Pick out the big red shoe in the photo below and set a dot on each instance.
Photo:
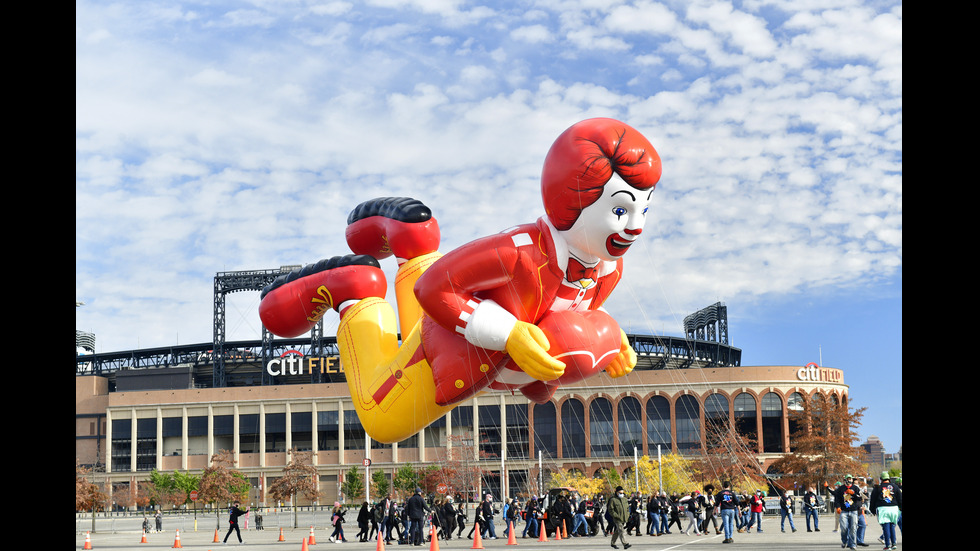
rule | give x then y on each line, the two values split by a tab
293	303
386	226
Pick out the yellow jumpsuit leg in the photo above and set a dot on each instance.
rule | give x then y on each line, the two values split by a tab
391	385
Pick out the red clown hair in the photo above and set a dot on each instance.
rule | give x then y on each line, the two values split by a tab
585	157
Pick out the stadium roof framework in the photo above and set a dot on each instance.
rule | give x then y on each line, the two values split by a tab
242	363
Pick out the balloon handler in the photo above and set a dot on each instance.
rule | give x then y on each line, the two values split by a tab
515	311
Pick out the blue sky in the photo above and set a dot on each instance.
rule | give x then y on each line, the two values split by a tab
218	136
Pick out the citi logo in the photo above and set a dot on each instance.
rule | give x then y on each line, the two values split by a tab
293	362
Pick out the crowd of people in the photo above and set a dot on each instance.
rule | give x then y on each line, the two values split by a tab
699	512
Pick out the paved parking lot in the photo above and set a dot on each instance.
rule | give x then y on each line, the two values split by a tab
268	540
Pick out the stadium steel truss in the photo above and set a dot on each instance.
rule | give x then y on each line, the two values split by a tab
221	363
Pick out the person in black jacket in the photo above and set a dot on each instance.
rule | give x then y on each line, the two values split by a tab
477	521
727	503
634	519
233	515
811	505
848	500
416	510
363	521
449	518
487	512
675	512
460	518
886	504
531	517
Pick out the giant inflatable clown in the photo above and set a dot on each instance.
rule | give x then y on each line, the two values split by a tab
516	311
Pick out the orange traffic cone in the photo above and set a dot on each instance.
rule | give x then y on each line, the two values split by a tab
511	538
216	540
88	541
177	544
144	537
305	548
477	540
282	536
543	530
312	538
381	542
433	539
564	530
557	533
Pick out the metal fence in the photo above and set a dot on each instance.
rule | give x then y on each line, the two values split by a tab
207	520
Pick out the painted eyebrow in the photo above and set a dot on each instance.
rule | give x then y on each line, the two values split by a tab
627	192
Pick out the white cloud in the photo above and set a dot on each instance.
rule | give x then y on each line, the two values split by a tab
203	146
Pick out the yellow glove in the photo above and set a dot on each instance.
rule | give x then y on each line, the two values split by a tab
528	347
625	361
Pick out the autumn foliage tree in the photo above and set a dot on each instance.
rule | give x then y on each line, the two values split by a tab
823	444
88	496
221	483
730	457
299	477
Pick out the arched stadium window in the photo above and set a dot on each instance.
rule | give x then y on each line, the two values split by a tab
572	428
601	435
795	406
688	414
772	423
630	426
745	416
658	424
715	420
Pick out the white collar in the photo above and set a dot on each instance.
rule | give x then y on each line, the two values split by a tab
605	267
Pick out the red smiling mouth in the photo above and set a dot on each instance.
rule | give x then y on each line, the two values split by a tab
616	246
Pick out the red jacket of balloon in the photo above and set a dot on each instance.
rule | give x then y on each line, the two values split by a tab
523	271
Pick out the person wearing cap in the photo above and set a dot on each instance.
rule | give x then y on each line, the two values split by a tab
848	502
886	504
619	513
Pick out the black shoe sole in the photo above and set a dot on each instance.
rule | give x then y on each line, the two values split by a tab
403	209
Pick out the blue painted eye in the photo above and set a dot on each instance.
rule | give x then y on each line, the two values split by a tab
645	210
619	211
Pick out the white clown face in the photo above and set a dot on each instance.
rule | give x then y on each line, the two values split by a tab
606	229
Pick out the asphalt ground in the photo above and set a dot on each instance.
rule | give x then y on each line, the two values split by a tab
771	539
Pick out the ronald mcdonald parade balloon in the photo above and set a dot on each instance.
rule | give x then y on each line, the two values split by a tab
519	311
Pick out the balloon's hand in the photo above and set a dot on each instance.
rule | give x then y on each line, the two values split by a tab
625	361
528	346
